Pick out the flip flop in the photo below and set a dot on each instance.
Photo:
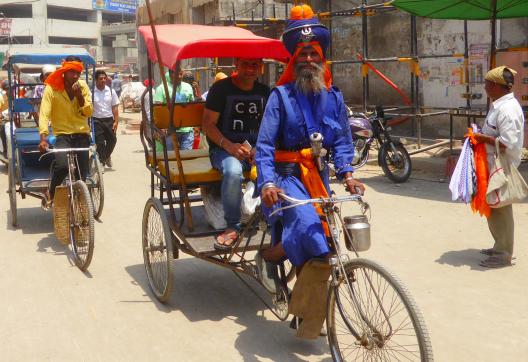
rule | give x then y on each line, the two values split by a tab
496	262
222	246
492	252
489	252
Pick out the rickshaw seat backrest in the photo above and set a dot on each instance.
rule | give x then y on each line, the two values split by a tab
185	115
25	104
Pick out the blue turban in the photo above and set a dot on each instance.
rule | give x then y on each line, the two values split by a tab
305	30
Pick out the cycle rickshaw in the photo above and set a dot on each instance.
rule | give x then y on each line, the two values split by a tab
369	313
28	170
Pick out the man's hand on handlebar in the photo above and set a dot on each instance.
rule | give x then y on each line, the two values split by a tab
354	186
43	146
270	196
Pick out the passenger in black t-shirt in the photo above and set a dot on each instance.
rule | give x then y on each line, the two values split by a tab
232	116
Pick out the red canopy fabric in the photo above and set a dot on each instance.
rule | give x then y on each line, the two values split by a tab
182	41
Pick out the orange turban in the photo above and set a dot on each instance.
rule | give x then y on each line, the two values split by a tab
56	79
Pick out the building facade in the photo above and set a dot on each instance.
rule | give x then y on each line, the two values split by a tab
106	28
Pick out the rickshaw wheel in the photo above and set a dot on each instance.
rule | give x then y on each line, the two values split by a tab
97	191
157	249
12	192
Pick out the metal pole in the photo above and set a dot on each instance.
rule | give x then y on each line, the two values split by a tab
466	68
364	36
493	34
187	205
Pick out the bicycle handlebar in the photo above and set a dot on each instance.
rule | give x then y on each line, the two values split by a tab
321	200
65	150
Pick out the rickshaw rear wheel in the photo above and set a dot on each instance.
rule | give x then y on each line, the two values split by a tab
12	192
97	190
157	249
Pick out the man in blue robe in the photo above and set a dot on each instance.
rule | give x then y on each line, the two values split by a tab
304	103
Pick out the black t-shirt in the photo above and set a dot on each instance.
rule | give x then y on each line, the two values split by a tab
240	111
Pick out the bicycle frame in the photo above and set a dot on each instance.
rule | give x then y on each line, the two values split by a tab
337	261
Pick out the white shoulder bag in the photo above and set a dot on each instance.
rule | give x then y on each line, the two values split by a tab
506	184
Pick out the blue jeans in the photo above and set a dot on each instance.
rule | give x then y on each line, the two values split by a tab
185	139
232	177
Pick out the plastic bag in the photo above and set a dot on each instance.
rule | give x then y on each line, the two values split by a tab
249	203
214	211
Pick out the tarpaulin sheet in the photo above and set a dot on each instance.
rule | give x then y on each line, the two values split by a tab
464	9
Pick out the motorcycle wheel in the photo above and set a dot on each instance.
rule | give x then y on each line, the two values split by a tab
396	165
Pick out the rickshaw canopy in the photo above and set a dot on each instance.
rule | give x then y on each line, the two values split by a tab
183	41
47	55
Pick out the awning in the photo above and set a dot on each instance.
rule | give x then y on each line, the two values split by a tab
464	9
181	41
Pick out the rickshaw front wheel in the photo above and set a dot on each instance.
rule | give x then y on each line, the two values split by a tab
157	249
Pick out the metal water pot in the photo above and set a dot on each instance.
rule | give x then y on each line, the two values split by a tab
359	229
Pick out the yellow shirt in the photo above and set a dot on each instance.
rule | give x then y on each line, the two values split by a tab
65	114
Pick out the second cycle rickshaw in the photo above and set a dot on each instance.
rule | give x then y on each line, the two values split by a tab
28	172
370	315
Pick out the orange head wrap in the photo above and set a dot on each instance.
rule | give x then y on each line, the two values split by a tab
56	79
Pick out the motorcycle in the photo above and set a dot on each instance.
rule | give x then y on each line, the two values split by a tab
392	156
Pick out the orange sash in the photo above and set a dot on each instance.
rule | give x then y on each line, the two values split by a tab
309	175
479	203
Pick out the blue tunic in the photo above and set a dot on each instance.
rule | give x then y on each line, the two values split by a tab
302	233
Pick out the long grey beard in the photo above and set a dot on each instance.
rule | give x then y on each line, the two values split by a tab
309	80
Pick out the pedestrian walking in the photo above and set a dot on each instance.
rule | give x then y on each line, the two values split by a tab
106	118
116	84
505	122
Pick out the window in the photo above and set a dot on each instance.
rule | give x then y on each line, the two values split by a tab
71	41
16	40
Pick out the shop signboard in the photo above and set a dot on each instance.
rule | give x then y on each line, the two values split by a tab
5	26
120	6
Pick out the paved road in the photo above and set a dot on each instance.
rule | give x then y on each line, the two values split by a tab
52	311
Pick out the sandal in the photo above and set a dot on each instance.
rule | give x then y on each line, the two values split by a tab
489	252
226	240
496	262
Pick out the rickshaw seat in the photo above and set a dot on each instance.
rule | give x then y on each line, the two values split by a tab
197	171
184	154
27	137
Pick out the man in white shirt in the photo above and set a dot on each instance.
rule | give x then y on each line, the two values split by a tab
106	118
505	121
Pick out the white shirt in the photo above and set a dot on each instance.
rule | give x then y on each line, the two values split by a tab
505	120
104	100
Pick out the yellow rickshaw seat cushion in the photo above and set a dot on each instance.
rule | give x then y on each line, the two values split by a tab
184	155
197	171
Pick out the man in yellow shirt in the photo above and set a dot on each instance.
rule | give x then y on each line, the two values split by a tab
67	104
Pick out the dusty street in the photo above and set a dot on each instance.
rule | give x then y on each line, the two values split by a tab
52	311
